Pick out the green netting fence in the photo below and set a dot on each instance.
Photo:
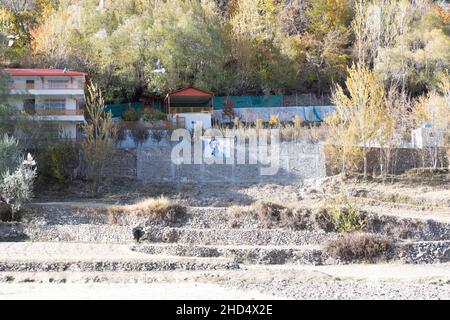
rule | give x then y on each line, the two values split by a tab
118	109
268	101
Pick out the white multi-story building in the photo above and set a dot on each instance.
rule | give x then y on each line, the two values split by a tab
52	95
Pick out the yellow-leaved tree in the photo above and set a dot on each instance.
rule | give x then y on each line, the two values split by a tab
360	116
434	109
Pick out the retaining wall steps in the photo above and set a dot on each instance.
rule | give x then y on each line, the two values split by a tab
249	254
87	233
206	235
63	256
424	252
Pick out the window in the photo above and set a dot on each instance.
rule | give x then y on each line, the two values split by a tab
30	84
55	104
58	84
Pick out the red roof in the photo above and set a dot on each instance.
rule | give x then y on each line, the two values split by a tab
191	92
43	73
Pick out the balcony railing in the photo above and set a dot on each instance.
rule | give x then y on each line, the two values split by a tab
54	112
46	86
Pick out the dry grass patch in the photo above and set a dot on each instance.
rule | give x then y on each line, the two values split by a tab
160	209
274	215
360	247
240	211
336	216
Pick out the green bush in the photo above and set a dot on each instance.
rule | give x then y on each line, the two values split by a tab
131	114
58	163
153	115
344	215
64	160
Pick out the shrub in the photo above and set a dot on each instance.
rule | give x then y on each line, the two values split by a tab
16	177
364	247
291	133
64	159
239	211
297	121
273	215
273	120
10	154
278	216
140	134
343	214
158	210
153	115
16	187
59	163
259	123
131	114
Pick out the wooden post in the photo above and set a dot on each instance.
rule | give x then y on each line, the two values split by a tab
168	103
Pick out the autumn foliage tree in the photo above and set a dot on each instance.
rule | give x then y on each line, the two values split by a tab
360	114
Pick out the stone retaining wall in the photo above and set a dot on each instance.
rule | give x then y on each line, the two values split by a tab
121	164
297	162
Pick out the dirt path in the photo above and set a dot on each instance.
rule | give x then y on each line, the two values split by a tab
384	281
127	291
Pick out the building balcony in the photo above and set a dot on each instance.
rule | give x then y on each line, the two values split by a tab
51	114
46	85
46	89
54	112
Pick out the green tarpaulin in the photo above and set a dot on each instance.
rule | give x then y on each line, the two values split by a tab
118	109
268	101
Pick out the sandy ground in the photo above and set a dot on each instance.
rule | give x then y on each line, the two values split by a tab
126	291
381	281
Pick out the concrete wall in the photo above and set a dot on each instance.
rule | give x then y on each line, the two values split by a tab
201	120
297	162
68	130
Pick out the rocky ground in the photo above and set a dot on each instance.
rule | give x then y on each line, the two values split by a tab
385	281
66	245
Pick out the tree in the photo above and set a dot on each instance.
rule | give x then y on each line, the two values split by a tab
434	109
17	20
187	41
100	133
360	114
407	43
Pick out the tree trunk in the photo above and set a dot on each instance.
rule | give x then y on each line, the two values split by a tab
365	163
